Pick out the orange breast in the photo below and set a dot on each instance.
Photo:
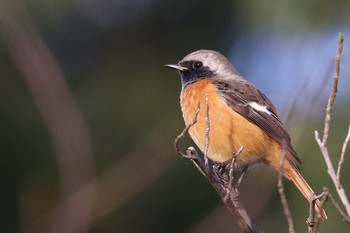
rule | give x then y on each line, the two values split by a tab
228	130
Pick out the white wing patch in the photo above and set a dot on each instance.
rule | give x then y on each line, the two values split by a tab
260	108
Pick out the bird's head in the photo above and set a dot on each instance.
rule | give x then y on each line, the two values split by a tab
203	64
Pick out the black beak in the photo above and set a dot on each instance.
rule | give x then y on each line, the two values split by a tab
176	67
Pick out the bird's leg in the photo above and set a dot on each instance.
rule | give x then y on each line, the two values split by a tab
224	171
219	170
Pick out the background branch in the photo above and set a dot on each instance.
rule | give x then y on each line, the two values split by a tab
323	144
334	91
341	160
69	132
280	186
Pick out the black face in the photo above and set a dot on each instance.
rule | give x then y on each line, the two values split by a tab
196	71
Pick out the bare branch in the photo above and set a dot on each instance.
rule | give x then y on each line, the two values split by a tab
280	186
341	213
323	144
232	202
311	219
183	134
245	169
334	90
324	197
341	160
312	223
332	174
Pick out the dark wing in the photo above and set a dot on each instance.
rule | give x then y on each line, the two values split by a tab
244	98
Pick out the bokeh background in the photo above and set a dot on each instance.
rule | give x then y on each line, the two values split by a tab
88	113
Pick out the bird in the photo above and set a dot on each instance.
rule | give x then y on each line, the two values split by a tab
240	116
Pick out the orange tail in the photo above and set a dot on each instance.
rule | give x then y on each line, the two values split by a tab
304	188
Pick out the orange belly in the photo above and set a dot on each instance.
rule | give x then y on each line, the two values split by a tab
228	129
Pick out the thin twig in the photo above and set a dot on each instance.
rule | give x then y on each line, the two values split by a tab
244	171
183	134
341	213
341	160
334	90
280	186
207	131
311	219
192	154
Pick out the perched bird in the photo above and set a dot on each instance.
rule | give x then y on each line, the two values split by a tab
240	115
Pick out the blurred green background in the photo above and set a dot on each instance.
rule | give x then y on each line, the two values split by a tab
92	149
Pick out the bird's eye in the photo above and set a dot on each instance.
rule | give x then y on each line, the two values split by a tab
197	64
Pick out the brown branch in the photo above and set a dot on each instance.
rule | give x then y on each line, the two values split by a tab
231	199
183	134
67	127
280	186
323	199
311	219
334	90
311	222
341	160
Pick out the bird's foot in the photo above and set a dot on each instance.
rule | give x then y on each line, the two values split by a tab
220	171
224	172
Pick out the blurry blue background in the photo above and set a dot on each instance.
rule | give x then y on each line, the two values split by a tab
92	149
